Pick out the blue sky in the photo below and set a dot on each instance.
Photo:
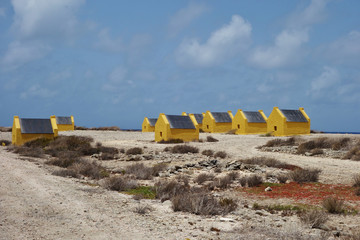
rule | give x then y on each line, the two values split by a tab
114	62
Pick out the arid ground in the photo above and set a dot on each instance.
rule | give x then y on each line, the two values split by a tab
35	204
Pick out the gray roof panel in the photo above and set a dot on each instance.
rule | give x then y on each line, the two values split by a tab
182	122
64	120
222	117
293	115
199	117
152	121
254	117
34	125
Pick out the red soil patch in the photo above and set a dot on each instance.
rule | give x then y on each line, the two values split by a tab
313	193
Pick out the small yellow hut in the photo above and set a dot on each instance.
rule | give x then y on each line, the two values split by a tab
148	124
170	127
199	118
28	129
249	122
285	122
64	123
217	122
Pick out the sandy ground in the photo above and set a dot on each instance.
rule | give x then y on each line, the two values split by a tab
37	205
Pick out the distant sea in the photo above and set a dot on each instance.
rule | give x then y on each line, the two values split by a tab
344	132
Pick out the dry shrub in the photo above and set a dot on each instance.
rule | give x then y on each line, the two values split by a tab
120	183
201	203
211	139
220	154
354	153
208	153
66	173
269	162
356	180
223	182
254	180
38	143
143	209
313	218
278	142
316	151
175	140
233	175
357	191
243	181
65	159
157	168
89	169
184	149
140	171
134	151
340	143
305	175
111	128
82	145
282	178
165	190
333	205
28	151
4	143
203	177
107	153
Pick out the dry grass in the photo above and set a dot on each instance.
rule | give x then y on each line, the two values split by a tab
5	129
201	203
282	178
353	153
269	162
89	169
254	180
166	190
120	183
81	145
277	142
316	151
184	149
333	205
140	171
134	151
305	175
66	173
323	143
143	209
28	151
220	154
356	180
314	218
203	177
211	139
208	153
170	141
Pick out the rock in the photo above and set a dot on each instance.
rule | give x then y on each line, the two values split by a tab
268	189
223	219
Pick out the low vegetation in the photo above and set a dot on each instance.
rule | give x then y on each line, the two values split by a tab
140	171
4	143
305	175
211	139
277	142
253	180
313	218
203	177
120	183
220	154
208	153
333	205
170	141
184	149
134	151
269	162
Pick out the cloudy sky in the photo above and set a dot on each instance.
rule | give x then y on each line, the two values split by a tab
114	62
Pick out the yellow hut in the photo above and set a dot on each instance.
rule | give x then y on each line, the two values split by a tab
148	124
284	122
170	127
64	123
249	122
28	129
217	122
199	118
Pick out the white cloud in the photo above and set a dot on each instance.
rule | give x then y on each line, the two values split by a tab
45	19
328	78
345	49
37	91
20	53
117	79
288	45
223	43
286	50
184	17
107	43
